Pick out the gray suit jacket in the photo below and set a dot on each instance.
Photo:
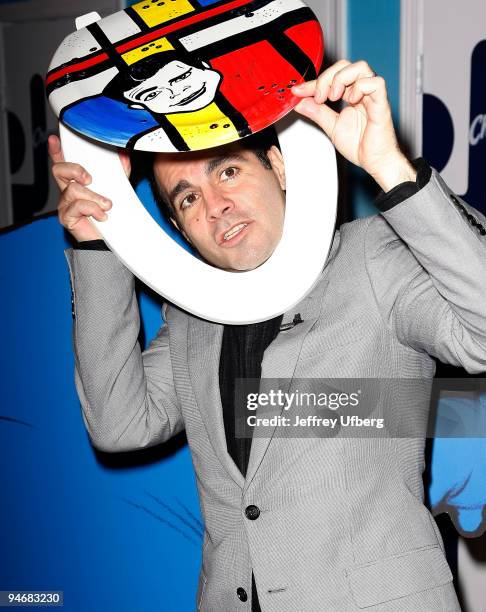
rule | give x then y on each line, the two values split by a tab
342	525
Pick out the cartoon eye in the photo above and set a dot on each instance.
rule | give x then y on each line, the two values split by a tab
151	96
181	77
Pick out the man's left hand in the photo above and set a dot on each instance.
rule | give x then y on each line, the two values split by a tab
363	131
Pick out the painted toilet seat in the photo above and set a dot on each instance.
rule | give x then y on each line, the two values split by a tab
213	294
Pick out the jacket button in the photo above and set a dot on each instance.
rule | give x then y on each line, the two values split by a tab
242	596
482	231
454	199
252	512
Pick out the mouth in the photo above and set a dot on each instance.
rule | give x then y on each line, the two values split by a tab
192	97
234	234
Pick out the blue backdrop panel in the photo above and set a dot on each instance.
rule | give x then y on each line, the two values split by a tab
458	461
374	35
114	532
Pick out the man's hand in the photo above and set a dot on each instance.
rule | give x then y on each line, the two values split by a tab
363	131
77	203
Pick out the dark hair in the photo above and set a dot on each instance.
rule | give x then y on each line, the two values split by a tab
142	164
144	69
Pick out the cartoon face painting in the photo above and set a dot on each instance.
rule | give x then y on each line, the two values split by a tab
186	74
176	87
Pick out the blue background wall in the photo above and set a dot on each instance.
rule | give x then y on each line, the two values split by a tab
114	532
374	35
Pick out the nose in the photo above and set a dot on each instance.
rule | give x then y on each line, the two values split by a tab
218	204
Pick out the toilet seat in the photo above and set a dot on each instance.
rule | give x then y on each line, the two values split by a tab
282	45
208	292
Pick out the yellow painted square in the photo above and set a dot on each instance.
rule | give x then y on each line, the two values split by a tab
155	12
155	46
205	128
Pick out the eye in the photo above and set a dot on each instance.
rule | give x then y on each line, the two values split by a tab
229	173
188	201
151	96
181	77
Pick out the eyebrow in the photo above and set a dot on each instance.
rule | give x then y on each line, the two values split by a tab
179	188
215	163
171	81
211	166
140	93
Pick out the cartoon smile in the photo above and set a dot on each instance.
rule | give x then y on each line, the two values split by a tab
191	97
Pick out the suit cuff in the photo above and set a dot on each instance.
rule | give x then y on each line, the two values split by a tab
400	193
91	245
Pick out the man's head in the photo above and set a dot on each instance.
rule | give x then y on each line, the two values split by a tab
166	82
228	202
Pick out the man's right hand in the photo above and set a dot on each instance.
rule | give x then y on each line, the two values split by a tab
77	203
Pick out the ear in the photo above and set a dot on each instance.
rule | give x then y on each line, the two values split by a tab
276	159
124	156
179	229
136	106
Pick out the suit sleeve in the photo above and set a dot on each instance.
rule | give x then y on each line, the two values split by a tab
127	397
427	267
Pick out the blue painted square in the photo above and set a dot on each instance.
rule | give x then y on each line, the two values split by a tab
108	120
208	2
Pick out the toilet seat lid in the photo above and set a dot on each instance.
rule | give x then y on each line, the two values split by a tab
181	75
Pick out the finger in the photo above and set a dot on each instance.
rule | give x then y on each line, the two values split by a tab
348	76
321	114
65	172
54	149
81	209
320	86
75	192
373	88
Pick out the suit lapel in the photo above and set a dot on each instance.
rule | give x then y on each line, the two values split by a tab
279	362
280	358
204	347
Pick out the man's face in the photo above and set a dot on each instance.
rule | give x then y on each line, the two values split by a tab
227	204
175	88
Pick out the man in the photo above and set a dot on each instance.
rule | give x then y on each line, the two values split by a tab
297	524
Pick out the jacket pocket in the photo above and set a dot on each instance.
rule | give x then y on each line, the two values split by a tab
398	576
